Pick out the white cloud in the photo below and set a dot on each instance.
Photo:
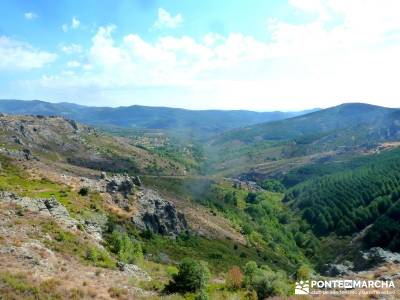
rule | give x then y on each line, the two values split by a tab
64	27
71	49
348	51
16	55
75	24
30	15
73	64
166	20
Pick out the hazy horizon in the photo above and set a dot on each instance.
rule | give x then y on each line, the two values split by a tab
193	109
264	56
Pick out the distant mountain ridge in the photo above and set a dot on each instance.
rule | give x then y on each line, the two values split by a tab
341	117
190	123
347	128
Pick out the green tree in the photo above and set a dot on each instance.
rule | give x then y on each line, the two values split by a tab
250	270
192	276
127	250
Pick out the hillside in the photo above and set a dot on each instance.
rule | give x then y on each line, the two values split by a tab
124	213
87	234
351	197
61	140
181	122
343	129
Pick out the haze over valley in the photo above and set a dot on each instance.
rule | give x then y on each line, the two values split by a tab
186	150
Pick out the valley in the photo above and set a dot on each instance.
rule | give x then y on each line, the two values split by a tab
225	205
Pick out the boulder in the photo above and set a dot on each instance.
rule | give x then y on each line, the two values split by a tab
124	184
133	270
158	215
49	207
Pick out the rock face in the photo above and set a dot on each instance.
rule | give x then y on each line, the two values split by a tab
24	154
333	270
49	207
159	215
374	257
363	261
124	184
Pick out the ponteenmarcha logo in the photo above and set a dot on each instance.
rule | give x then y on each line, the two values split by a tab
302	287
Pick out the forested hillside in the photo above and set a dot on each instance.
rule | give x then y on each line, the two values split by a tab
349	199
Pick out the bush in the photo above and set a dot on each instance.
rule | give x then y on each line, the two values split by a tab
273	185
304	272
99	257
264	282
192	276
234	278
127	250
202	295
267	283
84	191
250	270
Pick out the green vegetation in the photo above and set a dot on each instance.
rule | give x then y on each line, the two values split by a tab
220	255
343	129
273	231
192	276
73	245
126	249
385	232
319	193
20	287
346	202
273	185
265	282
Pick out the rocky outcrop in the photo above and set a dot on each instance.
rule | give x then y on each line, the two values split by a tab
374	257
24	154
158	215
362	261
333	270
124	184
48	206
133	270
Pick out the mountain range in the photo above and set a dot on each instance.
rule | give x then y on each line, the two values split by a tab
152	197
188	123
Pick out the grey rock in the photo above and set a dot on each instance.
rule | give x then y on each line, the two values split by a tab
333	270
159	215
136	180
49	207
95	226
375	257
120	183
25	154
133	270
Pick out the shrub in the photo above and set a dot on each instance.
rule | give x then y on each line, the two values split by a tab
267	283
202	295
127	250
234	278
273	185
99	257
192	276
304	272
250	270
84	191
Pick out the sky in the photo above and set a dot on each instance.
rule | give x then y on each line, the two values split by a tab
258	55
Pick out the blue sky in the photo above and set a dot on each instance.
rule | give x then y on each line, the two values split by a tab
259	55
